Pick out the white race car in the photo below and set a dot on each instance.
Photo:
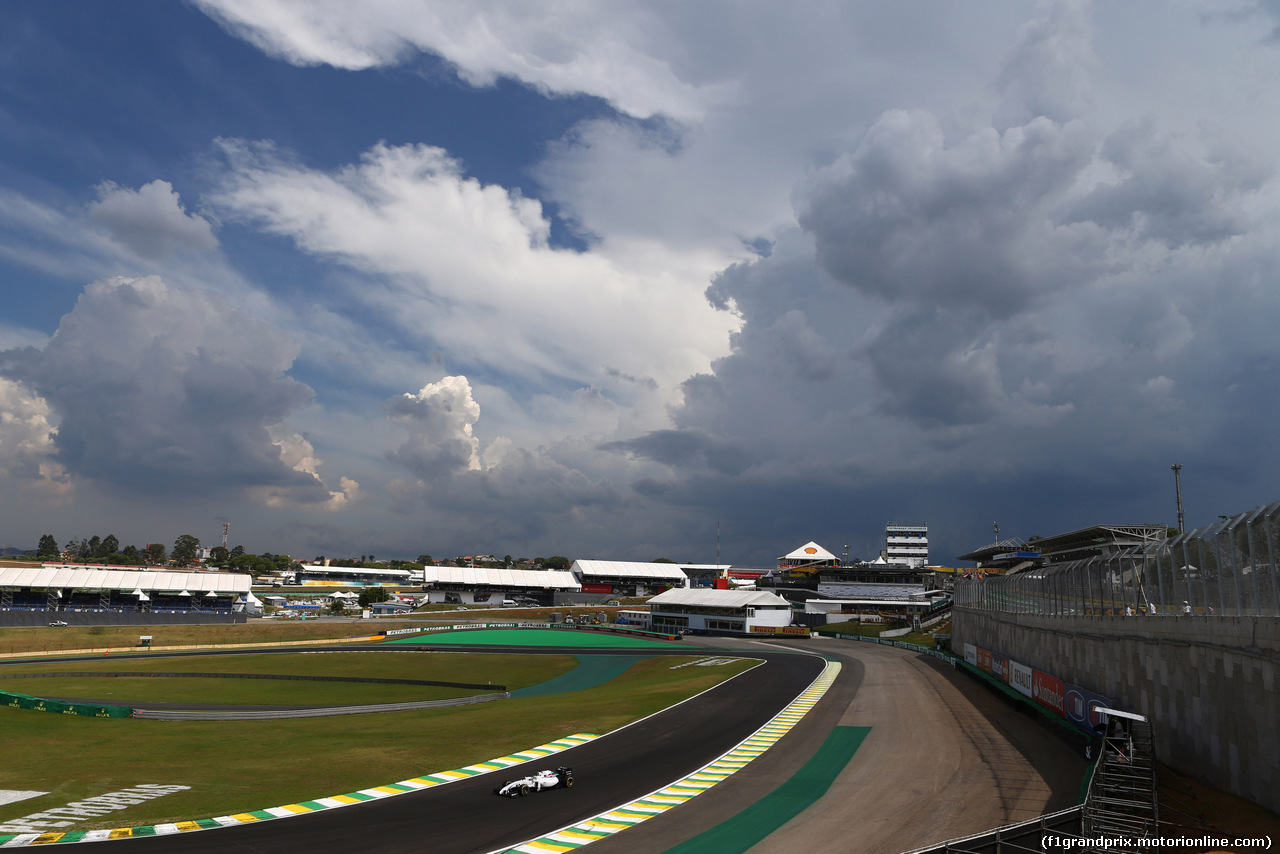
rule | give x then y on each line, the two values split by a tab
548	779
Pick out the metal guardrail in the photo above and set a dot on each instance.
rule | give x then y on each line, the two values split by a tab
1230	568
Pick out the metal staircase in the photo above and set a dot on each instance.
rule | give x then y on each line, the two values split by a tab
1122	802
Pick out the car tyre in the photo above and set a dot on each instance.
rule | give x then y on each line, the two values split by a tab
568	782
524	790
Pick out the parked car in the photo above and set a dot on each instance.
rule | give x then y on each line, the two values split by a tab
58	623
546	779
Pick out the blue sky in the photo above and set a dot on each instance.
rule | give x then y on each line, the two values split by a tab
404	278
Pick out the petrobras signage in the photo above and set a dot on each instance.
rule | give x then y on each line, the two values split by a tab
1082	706
1000	667
1049	691
971	654
1022	678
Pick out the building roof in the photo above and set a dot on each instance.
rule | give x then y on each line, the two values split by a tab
355	570
810	551
629	569
1001	548
717	598
1097	539
474	576
56	578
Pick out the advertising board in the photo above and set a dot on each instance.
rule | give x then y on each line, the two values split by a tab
1021	678
971	654
780	630
1049	691
984	659
1000	667
597	588
1080	708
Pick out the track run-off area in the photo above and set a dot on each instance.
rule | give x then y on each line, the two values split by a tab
893	745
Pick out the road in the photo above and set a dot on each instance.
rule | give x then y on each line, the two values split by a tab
465	816
944	758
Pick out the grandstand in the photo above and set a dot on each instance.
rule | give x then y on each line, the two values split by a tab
29	595
626	578
468	584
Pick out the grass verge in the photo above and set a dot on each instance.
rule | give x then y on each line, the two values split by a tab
236	766
512	671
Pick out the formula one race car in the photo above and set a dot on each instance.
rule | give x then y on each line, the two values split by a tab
562	776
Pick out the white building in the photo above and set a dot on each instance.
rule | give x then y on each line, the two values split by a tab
744	611
907	544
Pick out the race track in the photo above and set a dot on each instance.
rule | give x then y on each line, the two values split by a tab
466	817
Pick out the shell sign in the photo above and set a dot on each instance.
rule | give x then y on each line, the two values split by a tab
810	550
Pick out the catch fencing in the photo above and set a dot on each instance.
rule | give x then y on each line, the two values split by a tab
1228	568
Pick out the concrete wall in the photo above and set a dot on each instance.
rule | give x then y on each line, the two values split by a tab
1210	685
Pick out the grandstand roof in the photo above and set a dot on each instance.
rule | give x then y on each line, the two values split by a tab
629	569
355	570
55	578
475	576
717	598
1012	545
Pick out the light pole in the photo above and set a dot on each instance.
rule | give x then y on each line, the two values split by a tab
1177	489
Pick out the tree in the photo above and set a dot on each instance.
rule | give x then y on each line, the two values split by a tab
219	555
155	553
369	595
48	549
556	562
185	549
237	551
425	560
336	607
131	555
109	546
93	548
662	560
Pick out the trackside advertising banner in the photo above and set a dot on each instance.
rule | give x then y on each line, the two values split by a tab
971	654
1049	691
1081	705
1000	667
1021	678
984	659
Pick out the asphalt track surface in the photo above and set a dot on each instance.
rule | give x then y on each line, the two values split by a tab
466	817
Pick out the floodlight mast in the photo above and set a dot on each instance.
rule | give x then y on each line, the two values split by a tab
1177	489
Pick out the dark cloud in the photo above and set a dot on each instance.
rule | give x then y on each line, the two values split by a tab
910	216
686	449
150	220
160	390
1165	193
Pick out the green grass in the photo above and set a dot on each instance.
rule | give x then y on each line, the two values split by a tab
40	639
236	766
515	671
873	630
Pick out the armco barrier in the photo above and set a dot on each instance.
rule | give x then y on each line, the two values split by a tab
950	659
282	714
84	710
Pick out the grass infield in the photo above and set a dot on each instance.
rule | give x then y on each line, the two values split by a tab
512	671
236	766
